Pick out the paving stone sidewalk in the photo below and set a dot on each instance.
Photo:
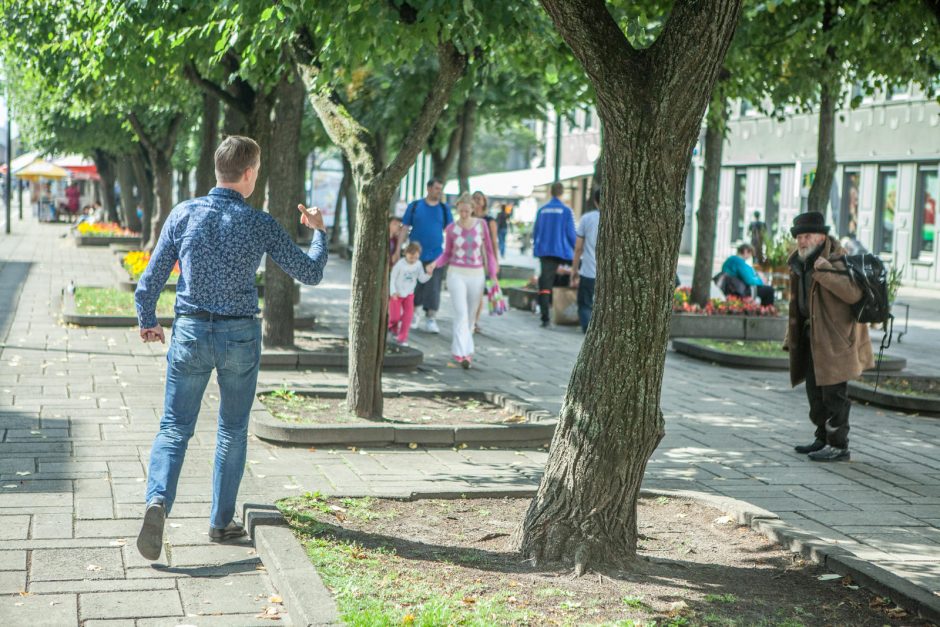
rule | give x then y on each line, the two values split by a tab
79	408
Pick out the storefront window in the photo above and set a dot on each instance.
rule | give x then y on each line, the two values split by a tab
887	206
738	204
928	189
772	208
848	221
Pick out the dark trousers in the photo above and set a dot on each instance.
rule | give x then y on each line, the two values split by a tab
585	301
765	293
829	407
547	272
428	295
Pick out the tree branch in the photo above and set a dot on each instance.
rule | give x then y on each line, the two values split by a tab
169	141
581	22
700	21
192	74
451	65
141	132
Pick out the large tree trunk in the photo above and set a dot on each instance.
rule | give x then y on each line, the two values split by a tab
143	177
160	160
351	202
465	158
338	207
651	102
375	183
105	165
260	129
125	176
442	159
716	121
285	196
597	181
829	94
208	142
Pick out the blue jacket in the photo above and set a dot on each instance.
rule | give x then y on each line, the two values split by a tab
554	233
736	266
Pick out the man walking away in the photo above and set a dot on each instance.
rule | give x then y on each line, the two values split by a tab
584	266
424	222
827	346
554	238
219	240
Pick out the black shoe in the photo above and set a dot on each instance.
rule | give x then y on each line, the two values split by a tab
831	454
809	448
546	324
465	364
150	539
232	531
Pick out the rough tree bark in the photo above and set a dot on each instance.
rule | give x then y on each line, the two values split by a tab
374	185
352	203
597	180
284	196
125	177
338	207
651	102
208	142
160	151
465	158
105	164
716	122
143	176
819	191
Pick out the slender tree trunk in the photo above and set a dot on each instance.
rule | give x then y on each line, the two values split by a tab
300	232
716	122
162	165
260	129
105	164
442	160
208	142
285	196
142	175
352	203
125	176
465	158
182	186
651	102
338	207
819	191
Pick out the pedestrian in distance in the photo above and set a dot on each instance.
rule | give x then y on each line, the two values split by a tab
468	250
584	265
503	222
219	240
480	210
424	222
553	243
757	229
407	273
738	277
827	346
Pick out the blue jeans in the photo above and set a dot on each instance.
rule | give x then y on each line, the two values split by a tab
501	238
233	349
585	301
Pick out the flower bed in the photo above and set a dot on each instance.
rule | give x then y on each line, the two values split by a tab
103	234
752	353
732	306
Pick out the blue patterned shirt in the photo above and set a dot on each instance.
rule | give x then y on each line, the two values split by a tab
219	240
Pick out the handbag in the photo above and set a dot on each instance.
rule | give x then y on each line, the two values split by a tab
497	300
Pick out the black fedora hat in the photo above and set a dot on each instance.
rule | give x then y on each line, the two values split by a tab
809	222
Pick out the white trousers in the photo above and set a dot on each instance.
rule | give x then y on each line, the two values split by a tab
466	291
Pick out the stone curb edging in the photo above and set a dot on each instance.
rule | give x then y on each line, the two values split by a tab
911	597
406	358
728	327
722	358
908	595
929	405
308	601
536	432
83	240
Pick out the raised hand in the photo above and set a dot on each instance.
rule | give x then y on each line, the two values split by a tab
311	218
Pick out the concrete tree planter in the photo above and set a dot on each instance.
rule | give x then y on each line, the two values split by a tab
516	272
535	432
737	360
728	327
89	240
523	298
396	358
864	390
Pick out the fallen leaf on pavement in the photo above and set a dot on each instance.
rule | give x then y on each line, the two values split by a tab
275	599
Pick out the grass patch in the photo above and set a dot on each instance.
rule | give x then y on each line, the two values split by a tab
106	301
750	348
925	387
505	284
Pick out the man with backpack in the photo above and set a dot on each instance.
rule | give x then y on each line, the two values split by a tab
828	345
424	222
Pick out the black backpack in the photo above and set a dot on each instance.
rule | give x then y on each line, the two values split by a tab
868	272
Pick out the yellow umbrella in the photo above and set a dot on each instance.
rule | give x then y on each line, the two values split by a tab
40	169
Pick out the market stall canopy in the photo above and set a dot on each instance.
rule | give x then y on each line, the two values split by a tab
20	162
40	169
78	167
518	183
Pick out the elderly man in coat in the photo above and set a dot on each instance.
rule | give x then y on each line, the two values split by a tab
827	346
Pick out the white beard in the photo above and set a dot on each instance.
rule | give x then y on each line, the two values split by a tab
808	252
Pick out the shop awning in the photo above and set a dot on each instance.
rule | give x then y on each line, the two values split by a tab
78	167
20	162
40	169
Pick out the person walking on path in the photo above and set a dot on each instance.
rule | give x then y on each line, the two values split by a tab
219	240
827	346
554	239
503	222
424	222
584	265
407	273
468	249
480	206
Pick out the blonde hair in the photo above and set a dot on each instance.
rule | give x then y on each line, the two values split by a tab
464	198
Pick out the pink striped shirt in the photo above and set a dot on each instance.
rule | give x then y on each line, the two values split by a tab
464	248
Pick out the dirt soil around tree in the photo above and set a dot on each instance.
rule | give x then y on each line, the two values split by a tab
289	406
308	341
449	562
911	386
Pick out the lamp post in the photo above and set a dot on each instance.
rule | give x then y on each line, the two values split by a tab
8	188
557	146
